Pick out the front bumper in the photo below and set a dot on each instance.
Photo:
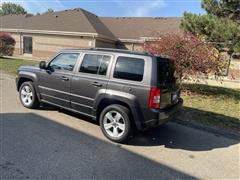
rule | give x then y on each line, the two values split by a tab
161	116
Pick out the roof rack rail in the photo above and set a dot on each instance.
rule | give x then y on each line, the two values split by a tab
123	50
112	50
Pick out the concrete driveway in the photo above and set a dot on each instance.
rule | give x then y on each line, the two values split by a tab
52	144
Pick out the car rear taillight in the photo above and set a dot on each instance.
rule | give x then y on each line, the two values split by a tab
154	101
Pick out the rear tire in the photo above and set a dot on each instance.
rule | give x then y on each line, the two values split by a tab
115	123
27	95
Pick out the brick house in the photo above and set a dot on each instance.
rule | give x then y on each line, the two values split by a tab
43	35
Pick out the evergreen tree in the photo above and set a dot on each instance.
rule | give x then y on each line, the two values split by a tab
220	26
11	8
50	10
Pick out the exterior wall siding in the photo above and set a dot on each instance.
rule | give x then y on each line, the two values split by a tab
131	46
48	45
104	44
16	51
45	46
138	47
17	45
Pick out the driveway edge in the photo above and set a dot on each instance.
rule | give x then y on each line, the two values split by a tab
215	130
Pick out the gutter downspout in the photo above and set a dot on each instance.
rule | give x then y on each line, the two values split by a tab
94	41
20	43
132	49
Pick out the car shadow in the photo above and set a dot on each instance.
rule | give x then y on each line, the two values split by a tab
35	147
176	136
173	135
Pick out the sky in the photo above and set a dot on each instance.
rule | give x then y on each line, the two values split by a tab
141	8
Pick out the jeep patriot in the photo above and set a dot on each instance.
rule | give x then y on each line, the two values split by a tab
122	90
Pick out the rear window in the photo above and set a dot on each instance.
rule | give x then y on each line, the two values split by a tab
129	69
166	71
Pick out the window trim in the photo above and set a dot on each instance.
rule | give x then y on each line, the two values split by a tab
63	70
95	75
128	80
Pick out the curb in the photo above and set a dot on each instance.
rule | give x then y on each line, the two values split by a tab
210	129
24	58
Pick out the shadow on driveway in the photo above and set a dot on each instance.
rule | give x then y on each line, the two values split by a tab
34	147
175	136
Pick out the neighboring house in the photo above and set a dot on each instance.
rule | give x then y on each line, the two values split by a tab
43	35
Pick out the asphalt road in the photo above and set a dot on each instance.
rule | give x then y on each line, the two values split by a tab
52	144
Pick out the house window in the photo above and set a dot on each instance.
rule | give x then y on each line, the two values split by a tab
27	45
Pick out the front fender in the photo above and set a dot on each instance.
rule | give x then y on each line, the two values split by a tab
26	75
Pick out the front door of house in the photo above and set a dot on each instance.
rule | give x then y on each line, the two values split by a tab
27	45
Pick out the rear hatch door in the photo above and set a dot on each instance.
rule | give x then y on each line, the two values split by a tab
168	82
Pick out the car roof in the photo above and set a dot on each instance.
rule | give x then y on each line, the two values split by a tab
110	50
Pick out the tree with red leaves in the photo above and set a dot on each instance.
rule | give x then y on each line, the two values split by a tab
7	44
193	57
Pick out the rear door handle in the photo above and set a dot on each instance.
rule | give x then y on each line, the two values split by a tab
64	78
97	84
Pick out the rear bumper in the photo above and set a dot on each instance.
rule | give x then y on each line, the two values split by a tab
161	116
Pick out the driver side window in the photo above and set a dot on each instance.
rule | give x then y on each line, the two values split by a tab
64	61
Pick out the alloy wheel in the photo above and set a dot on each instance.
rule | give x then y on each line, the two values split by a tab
114	124
26	95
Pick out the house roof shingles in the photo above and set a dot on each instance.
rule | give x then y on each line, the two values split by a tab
79	20
136	27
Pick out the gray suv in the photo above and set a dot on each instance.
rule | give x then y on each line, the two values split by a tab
122	90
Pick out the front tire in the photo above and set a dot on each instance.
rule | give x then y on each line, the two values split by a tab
115	123
27	95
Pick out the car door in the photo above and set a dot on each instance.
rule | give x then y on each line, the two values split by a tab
89	81
54	81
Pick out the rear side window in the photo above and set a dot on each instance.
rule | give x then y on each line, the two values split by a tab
95	64
129	68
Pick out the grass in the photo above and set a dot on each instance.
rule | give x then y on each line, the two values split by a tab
10	66
211	105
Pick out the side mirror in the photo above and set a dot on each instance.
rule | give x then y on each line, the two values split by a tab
42	65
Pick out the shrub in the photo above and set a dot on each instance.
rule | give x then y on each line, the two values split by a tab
7	44
192	56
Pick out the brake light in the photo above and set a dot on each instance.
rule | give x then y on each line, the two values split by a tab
154	101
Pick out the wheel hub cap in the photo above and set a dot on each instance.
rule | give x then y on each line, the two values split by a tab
26	95
114	124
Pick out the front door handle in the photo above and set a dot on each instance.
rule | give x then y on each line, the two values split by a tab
97	84
64	78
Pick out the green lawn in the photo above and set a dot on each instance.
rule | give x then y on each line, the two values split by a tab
212	105
11	65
